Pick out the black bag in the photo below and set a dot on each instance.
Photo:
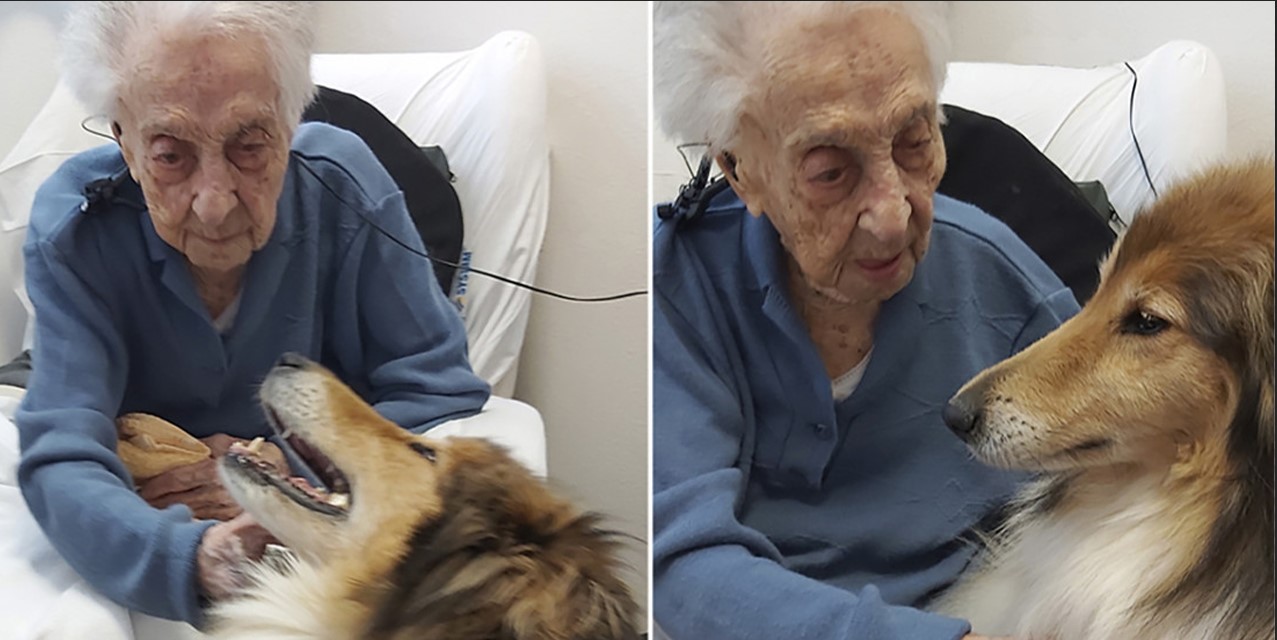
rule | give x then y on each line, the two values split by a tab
427	189
993	166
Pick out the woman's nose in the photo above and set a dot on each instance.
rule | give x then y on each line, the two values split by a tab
884	211
214	193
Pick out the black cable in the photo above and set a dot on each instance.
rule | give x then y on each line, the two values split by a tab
84	124
546	292
1131	121
441	261
501	278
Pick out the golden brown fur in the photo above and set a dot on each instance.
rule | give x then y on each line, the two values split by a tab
442	539
1151	413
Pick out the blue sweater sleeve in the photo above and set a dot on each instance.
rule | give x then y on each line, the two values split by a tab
411	341
77	488
714	578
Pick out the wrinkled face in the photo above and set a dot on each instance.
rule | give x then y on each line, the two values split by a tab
200	129
843	152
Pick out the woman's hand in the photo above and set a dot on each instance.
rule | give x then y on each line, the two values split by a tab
198	485
225	552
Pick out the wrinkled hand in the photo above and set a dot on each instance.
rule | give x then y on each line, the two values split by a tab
225	552
198	485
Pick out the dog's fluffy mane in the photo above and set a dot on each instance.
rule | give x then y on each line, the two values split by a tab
1134	554
1230	292
511	554
505	560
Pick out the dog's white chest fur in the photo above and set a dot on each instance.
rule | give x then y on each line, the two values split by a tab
288	605
1080	574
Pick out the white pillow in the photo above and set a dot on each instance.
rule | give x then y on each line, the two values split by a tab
1080	118
485	107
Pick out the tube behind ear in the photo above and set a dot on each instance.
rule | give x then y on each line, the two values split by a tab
689	195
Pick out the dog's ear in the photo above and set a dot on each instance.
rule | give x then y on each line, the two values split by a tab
1256	327
1263	347
1260	307
1243	296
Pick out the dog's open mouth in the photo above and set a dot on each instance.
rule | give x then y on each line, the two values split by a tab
331	498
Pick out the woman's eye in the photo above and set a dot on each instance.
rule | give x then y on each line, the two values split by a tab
249	156
918	145
910	152
829	176
912	146
168	154
825	167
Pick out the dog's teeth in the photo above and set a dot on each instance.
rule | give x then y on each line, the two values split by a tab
255	447
340	500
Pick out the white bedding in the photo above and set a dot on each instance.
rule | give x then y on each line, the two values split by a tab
42	598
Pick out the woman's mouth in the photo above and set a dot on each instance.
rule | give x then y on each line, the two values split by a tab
220	240
880	269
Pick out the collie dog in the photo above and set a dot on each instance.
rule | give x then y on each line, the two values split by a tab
413	538
1149	417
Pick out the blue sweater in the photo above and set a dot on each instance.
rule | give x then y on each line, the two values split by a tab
120	328
779	513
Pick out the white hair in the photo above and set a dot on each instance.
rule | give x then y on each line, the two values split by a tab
706	57
100	42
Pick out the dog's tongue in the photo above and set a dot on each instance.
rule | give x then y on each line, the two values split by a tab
334	498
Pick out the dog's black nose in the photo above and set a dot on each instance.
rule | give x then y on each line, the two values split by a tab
292	361
963	414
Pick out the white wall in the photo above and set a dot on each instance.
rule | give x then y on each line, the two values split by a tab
28	52
1082	34
28	57
583	366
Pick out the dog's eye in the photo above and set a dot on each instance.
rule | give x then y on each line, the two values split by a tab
425	452
1143	323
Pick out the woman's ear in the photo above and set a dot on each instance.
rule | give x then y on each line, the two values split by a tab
741	181
125	150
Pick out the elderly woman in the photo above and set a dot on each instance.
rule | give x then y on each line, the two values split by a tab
812	321
218	235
